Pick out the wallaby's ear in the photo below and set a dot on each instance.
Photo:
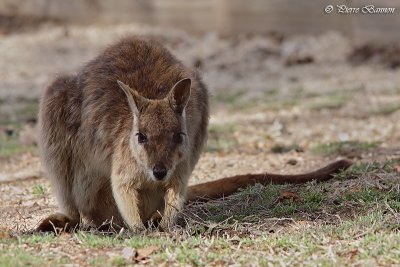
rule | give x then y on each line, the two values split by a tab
136	102
179	95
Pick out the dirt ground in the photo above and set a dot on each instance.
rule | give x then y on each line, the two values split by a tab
279	104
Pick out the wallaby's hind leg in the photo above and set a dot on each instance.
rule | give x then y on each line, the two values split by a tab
68	216
56	223
57	126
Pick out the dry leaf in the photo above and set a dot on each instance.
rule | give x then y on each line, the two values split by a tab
353	253
219	263
302	223
292	161
144	253
287	195
5	233
397	168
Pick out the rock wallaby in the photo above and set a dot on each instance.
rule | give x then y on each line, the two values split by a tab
120	139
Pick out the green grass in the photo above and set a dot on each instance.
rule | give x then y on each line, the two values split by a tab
96	241
272	99
228	97
269	100
364	240
14	256
253	202
221	137
353	220
24	250
365	234
18	111
258	201
36	239
363	168
330	101
231	100
280	148
343	148
23	110
386	110
39	190
29	110
366	197
10	146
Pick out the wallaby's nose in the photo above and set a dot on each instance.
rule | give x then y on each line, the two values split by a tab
159	171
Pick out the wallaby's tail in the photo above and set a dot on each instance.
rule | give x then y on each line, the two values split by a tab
229	185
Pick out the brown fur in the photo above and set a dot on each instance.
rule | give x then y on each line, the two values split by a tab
88	125
91	131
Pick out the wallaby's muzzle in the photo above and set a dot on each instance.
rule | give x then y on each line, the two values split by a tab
159	171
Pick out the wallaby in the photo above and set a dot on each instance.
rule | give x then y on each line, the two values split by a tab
120	139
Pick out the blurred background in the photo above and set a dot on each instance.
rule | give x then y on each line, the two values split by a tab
291	84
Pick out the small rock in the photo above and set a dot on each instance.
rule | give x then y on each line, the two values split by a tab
128	253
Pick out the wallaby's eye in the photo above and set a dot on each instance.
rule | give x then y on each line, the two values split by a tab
141	138
178	138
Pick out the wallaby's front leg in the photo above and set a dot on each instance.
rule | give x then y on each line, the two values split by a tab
174	200
126	197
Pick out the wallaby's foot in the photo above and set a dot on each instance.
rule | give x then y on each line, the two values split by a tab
57	223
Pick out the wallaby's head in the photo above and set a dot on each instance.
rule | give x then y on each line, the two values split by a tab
159	140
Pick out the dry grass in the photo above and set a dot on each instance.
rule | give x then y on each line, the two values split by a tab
353	220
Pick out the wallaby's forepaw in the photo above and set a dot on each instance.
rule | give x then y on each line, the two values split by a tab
57	223
154	221
157	222
137	229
